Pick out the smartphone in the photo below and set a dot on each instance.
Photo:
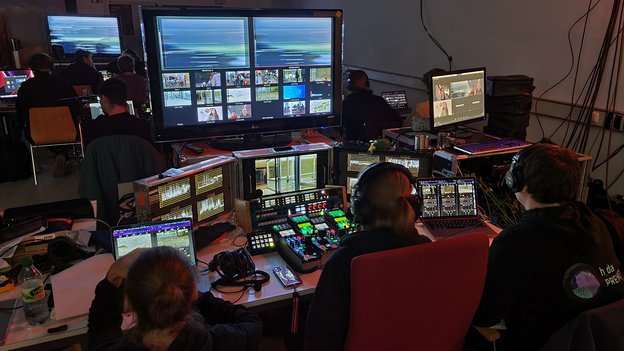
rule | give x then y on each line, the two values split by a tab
287	276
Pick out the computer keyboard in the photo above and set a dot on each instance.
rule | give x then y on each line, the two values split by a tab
203	236
492	146
451	224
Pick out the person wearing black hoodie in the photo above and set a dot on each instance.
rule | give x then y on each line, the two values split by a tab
386	213
556	262
364	114
159	285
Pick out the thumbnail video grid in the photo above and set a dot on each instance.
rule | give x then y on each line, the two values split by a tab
222	95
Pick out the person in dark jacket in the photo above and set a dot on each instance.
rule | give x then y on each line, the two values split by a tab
137	87
45	90
117	119
364	114
556	262
83	71
386	213
160	288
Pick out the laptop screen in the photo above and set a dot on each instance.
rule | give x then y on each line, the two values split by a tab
96	109
176	233
10	81
448	197
396	99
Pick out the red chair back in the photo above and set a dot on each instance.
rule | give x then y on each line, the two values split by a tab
420	297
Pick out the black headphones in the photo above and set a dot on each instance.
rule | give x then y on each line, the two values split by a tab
360	206
514	178
353	75
232	266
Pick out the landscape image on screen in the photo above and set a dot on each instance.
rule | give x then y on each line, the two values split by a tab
267	93
99	35
307	42
202	42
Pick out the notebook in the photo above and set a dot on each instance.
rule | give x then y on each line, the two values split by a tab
397	100
177	233
449	206
96	109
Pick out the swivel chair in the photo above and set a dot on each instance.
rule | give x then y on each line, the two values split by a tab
420	297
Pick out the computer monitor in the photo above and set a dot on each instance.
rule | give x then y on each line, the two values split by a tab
96	34
234	72
456	97
10	81
96	109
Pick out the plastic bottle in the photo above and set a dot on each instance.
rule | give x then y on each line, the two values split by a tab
30	281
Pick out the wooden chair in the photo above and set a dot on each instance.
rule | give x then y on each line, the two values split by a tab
420	297
82	90
51	126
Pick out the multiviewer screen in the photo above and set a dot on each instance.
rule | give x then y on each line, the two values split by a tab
458	97
225	69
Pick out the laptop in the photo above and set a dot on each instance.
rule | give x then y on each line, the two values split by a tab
177	233
96	109
397	100
449	206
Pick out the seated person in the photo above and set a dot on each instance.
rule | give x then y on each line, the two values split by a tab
386	212
421	112
364	115
117	120
159	286
556	262
139	66
137	88
83	71
45	90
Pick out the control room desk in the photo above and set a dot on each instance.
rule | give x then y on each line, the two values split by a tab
21	335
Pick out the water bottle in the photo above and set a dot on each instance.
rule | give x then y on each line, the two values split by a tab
30	281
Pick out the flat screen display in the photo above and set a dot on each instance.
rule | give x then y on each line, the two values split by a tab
224	72
457	97
96	34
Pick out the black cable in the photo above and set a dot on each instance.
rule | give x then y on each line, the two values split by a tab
586	14
202	262
615	152
435	41
238	236
12	309
615	180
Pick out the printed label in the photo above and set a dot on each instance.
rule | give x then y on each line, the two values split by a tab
34	294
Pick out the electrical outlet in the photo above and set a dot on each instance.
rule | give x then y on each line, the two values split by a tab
595	117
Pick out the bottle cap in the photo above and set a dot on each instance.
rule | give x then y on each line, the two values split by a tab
26	261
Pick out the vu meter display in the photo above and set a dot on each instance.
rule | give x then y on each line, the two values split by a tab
211	206
185	212
173	192
208	180
448	197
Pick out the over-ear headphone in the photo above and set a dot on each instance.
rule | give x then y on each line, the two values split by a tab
360	205
233	266
513	177
355	75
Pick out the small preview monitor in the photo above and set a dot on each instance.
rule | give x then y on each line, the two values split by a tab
96	109
10	81
453	197
456	97
177	233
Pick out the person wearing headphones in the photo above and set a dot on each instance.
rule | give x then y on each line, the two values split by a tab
385	211
555	263
364	114
159	285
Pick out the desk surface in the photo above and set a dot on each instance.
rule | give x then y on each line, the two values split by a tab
23	335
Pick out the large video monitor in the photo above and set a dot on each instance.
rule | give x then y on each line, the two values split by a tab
234	72
96	34
456	97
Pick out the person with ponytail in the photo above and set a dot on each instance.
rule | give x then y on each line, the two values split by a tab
386	212
159	286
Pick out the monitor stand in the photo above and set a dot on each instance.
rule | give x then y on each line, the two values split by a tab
251	141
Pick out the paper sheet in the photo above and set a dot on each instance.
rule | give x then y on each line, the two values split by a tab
74	288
